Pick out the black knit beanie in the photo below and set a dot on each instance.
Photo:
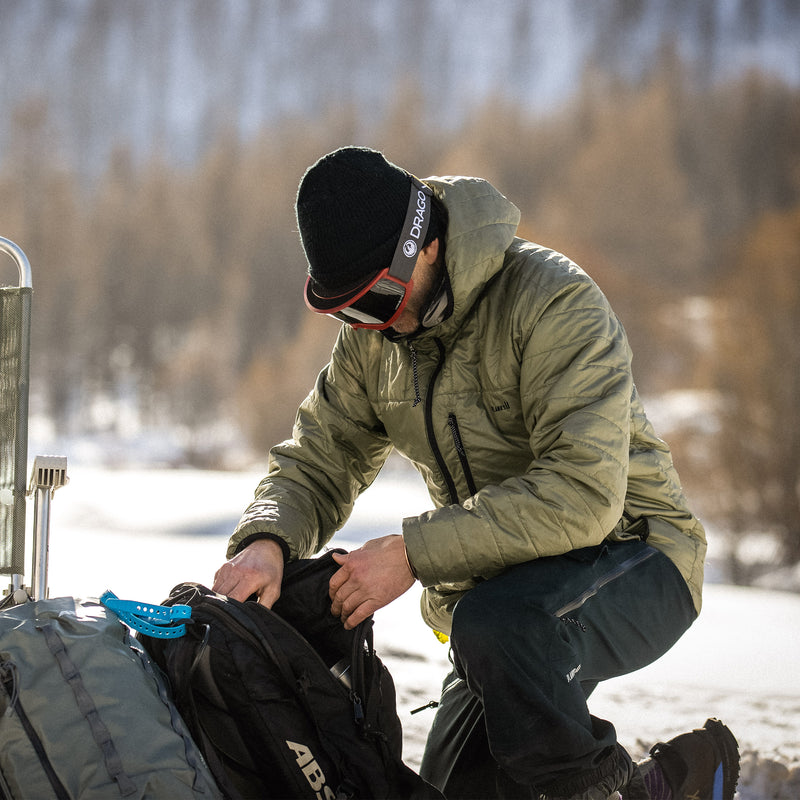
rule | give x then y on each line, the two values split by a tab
351	206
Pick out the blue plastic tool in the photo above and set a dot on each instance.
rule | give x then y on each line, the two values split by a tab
152	620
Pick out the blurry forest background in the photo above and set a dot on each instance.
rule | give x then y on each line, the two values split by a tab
150	154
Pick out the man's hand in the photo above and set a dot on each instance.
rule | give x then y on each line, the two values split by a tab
258	569
369	578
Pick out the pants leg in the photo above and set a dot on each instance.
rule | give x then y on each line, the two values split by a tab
457	759
530	645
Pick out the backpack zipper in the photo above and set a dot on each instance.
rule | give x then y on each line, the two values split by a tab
8	676
462	453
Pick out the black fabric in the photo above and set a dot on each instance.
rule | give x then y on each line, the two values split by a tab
613	772
86	705
457	758
261	700
528	648
350	210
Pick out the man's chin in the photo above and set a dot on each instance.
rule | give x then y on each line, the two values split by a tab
396	336
392	335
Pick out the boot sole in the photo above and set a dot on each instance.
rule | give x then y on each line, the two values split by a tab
727	774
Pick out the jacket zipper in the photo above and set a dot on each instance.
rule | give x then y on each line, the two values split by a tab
429	432
415	375
462	453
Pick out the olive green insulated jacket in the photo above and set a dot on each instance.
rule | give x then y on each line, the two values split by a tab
519	411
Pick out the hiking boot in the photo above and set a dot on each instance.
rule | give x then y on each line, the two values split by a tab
701	765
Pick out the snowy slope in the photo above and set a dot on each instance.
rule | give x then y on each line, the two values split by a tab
141	532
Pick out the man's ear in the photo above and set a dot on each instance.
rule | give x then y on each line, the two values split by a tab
431	251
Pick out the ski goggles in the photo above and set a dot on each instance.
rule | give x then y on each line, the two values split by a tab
380	301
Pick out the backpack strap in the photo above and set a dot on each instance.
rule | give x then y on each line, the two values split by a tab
8	674
191	656
100	732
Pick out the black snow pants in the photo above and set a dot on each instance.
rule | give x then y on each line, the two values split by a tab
529	647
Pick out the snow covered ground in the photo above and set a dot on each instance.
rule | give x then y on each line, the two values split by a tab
140	532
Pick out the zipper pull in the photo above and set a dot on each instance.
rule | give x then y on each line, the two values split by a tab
429	704
453	425
415	373
358	709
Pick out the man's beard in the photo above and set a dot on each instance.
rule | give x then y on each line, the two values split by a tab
436	308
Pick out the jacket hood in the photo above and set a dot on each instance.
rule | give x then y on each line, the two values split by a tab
482	224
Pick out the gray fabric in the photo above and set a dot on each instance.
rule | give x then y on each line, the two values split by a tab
100	733
71	670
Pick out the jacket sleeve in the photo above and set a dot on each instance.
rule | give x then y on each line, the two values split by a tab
575	388
337	448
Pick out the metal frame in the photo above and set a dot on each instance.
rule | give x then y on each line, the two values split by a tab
13	250
21	455
48	474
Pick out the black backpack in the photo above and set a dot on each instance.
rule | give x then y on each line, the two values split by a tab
286	703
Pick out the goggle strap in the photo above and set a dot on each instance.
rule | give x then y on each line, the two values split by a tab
412	236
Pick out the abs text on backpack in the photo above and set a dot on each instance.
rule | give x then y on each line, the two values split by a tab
84	713
261	699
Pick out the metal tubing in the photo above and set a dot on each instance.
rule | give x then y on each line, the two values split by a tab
41	542
49	473
23	265
21	456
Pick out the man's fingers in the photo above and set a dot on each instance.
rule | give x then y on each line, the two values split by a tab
233	580
258	569
340	587
369	578
355	608
354	601
268	597
225	581
340	576
237	590
342	597
243	589
361	612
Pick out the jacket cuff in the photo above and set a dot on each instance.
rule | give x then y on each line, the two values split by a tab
417	554
254	537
